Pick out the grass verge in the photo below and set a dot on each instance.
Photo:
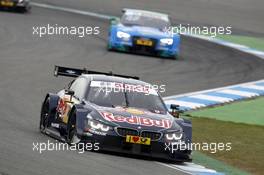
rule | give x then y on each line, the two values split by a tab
249	112
256	43
219	166
247	142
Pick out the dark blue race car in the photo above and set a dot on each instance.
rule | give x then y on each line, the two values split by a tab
143	32
119	113
19	5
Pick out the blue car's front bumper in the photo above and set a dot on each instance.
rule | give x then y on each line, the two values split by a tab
130	46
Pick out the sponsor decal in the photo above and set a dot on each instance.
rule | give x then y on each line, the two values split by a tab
70	71
138	140
136	120
62	107
55	125
135	111
97	132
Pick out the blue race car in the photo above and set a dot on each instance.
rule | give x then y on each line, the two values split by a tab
143	32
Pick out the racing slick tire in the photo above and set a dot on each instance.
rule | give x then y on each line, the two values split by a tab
44	116
109	47
24	9
72	137
175	57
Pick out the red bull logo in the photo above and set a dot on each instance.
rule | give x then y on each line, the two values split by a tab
135	120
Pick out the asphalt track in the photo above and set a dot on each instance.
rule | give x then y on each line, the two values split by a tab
244	16
26	69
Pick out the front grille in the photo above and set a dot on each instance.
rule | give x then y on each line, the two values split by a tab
150	134
144	49
126	131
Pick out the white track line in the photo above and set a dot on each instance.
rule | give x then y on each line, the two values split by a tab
255	87
194	169
185	104
240	93
212	90
65	9
173	167
212	98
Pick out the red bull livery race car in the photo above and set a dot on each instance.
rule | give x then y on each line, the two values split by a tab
119	112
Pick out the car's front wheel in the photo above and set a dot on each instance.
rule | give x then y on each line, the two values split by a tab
72	137
44	115
24	9
175	57
109	47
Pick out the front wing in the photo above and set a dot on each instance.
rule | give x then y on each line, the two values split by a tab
116	143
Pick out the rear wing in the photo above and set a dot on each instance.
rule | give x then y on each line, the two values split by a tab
124	10
73	72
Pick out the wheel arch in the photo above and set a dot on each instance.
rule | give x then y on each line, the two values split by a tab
53	101
187	128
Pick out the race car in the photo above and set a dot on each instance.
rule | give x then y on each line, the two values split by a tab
18	5
120	113
143	32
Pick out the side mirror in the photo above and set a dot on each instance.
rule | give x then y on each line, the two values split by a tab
114	21
174	107
175	111
123	10
69	92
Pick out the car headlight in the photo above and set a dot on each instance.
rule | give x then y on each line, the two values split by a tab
98	126
168	41
174	136
123	35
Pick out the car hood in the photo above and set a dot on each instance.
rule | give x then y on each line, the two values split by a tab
144	31
136	118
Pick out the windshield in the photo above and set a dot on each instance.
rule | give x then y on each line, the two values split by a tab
145	19
111	94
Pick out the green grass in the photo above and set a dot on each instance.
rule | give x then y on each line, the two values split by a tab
242	124
219	166
249	112
246	142
256	43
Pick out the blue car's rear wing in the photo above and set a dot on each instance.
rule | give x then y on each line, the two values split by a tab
73	72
